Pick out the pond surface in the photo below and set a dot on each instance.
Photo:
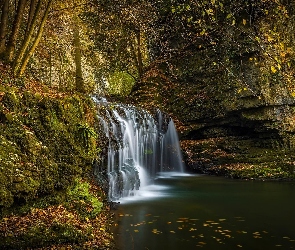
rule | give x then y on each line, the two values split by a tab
207	212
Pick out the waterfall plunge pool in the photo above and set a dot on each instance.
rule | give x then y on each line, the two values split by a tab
182	211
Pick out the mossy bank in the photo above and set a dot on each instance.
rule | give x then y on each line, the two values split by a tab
48	196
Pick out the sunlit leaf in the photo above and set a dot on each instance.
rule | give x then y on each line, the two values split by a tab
273	69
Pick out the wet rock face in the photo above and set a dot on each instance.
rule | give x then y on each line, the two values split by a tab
260	137
231	93
241	135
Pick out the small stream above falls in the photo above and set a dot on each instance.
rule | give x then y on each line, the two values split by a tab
140	145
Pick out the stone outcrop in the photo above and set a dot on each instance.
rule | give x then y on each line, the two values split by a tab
226	129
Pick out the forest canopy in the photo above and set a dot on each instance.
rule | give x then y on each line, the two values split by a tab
110	46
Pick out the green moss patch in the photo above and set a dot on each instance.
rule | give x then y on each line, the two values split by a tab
46	142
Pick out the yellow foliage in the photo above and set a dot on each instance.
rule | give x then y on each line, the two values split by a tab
273	69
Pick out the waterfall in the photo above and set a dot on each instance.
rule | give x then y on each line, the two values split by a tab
139	146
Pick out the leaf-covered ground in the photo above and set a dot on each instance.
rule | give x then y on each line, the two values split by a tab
60	226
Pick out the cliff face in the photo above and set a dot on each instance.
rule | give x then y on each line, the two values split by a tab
233	99
225	132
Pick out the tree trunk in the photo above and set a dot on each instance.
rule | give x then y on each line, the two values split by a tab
78	59
32	15
29	34
136	52
3	25
139	55
30	52
15	30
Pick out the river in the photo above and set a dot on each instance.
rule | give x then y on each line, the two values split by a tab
208	212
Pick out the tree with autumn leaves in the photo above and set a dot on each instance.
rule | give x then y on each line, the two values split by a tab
22	34
84	45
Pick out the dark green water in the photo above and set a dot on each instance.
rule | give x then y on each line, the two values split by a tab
207	212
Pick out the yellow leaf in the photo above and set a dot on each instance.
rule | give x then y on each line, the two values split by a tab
270	39
244	21
273	69
282	45
293	94
209	11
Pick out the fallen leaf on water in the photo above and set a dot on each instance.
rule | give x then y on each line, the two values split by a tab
155	231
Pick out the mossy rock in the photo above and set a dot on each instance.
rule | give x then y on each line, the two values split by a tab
50	149
11	101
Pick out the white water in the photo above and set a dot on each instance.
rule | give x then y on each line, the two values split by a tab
138	148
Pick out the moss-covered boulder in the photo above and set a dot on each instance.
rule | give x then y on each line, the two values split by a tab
48	194
46	141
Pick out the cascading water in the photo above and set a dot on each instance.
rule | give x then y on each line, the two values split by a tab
139	146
